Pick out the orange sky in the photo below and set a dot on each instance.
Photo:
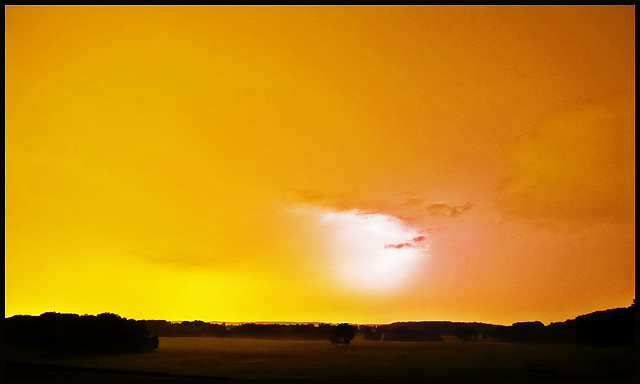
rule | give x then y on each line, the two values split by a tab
334	164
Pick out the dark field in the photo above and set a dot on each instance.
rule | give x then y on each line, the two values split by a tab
199	357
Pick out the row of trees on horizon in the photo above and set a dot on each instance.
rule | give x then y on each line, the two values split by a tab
58	333
613	327
609	328
63	334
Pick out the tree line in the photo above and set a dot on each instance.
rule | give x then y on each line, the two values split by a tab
199	328
399	333
58	333
64	334
610	328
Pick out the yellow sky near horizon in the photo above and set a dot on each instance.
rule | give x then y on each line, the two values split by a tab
334	164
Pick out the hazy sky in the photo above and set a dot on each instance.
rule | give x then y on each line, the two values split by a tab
335	164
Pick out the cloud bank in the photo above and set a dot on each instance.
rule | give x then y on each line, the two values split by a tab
579	164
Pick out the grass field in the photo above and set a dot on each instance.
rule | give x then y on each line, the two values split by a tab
451	359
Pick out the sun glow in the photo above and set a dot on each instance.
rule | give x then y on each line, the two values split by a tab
372	251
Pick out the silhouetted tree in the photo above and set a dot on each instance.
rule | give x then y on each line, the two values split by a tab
523	332
342	334
465	333
370	333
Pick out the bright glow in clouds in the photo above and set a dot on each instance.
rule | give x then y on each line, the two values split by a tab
372	251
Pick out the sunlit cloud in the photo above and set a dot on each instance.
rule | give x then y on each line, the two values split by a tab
371	250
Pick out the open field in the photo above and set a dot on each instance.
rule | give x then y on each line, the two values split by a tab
247	358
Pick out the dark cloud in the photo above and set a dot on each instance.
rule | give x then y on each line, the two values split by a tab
309	195
339	202
407	244
367	213
413	202
578	164
398	246
448	210
405	218
461	209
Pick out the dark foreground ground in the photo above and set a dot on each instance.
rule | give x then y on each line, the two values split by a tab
199	358
17	370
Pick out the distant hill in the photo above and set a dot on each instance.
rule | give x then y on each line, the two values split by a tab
443	328
605	315
610	328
